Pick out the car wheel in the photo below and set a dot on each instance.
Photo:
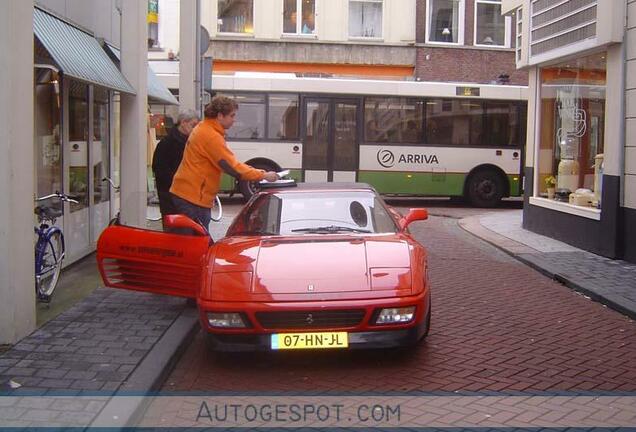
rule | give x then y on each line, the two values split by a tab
485	188
249	188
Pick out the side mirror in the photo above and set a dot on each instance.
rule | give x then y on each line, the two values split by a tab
181	224
413	215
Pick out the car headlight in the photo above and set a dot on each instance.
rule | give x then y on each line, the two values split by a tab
226	320
396	315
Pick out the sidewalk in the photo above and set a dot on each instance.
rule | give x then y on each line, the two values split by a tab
611	282
111	342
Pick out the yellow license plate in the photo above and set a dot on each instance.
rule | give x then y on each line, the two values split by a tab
309	340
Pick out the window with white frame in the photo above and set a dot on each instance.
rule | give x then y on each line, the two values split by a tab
236	16
299	16
519	31
365	18
445	21
491	28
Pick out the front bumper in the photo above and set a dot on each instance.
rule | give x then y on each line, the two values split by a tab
357	340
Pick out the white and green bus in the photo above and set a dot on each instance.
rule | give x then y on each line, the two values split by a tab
402	137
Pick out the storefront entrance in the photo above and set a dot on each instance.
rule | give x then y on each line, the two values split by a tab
73	157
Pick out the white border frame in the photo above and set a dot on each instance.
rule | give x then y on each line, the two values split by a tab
367	38
461	21
507	25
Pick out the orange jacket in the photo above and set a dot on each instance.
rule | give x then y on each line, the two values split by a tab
205	157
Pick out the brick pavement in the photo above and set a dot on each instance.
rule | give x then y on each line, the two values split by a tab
611	282
498	325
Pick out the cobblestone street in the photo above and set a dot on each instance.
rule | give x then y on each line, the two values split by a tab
498	325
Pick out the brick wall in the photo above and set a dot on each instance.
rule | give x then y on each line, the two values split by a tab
466	65
463	63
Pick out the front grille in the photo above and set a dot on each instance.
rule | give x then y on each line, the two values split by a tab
310	319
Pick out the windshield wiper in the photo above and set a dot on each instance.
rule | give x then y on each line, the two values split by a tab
331	229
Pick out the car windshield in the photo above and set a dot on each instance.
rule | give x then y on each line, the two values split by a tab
348	212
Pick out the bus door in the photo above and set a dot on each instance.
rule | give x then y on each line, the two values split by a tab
330	139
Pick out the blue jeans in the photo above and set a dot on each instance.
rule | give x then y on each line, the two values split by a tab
196	213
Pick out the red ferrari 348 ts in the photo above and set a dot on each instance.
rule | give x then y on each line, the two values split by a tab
314	266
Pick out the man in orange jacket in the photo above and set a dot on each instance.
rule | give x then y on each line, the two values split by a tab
206	156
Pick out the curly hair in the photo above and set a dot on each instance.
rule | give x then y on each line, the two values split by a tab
220	104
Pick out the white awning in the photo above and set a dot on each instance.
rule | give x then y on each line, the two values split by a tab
157	92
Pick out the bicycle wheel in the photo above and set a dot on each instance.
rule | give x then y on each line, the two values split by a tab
216	212
49	266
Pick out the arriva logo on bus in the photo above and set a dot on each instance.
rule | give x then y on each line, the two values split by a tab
386	158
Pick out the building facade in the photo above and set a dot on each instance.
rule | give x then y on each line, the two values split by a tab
580	175
465	41
75	115
428	40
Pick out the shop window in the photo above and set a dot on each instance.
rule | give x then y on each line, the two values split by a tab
78	142
48	150
570	154
365	18
250	117
299	16
491	28
445	21
236	16
283	116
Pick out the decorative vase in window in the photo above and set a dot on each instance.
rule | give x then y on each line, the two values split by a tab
550	183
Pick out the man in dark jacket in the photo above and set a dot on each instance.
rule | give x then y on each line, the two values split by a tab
167	158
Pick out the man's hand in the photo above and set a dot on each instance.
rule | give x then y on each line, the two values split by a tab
271	176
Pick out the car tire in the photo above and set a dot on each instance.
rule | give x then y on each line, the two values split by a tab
428	321
485	188
248	188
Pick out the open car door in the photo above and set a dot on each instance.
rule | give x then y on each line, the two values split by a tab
154	261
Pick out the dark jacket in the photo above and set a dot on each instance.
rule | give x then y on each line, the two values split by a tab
167	158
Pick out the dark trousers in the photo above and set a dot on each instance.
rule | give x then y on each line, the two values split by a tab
166	206
196	213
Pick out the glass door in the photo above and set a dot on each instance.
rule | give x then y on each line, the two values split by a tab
101	162
330	139
77	227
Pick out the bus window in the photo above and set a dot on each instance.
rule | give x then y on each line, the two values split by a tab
455	122
397	120
283	116
250	118
502	124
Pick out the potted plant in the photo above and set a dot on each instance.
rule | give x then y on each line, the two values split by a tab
550	183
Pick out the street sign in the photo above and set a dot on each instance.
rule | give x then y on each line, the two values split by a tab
204	42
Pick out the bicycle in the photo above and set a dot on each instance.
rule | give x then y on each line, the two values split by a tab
216	212
49	247
115	220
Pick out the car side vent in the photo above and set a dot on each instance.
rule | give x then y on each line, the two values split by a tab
311	319
148	276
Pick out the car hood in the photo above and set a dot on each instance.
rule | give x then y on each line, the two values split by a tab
312	266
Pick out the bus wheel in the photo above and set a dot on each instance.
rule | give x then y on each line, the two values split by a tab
485	189
249	188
